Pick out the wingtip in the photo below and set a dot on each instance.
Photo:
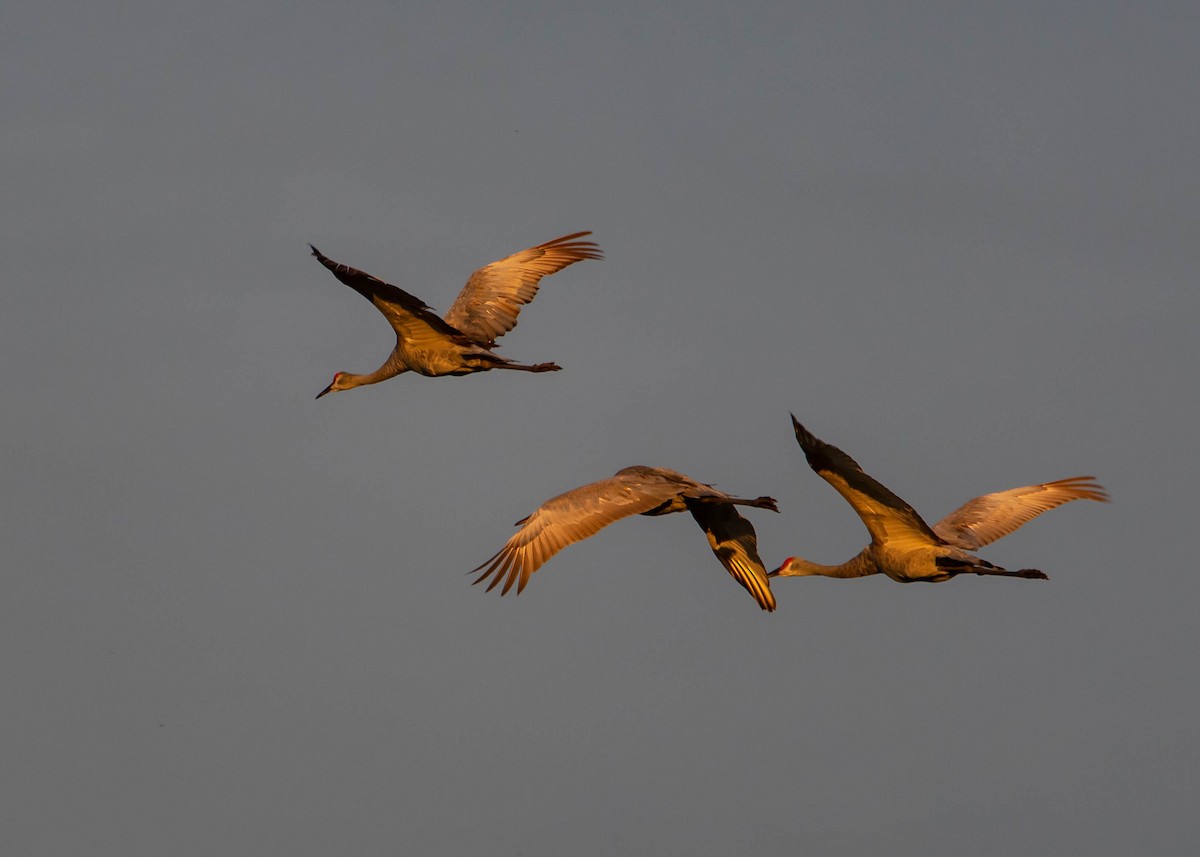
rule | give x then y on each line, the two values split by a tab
1090	488
805	438
762	592
584	249
564	238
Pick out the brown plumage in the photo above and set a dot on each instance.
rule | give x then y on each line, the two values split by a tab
637	490
907	549
486	308
981	521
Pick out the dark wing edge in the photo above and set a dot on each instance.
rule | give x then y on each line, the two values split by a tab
735	543
860	490
392	301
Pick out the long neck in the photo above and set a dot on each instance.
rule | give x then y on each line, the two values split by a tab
860	566
391	367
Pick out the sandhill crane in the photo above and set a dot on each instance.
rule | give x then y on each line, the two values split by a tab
907	549
485	309
637	490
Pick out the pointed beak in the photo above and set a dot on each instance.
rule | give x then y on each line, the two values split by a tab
326	390
775	573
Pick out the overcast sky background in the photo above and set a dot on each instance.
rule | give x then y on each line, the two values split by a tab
961	243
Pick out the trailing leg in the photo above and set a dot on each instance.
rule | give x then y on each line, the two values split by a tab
954	566
526	367
1027	573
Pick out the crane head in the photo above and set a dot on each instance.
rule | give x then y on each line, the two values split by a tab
339	382
791	567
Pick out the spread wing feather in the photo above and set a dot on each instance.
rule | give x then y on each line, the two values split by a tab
887	517
983	520
733	540
489	303
407	314
569	518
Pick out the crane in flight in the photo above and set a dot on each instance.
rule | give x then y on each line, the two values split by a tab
907	549
461	343
637	490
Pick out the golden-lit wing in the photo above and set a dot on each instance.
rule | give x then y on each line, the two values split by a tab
983	520
572	517
888	519
489	303
733	540
412	320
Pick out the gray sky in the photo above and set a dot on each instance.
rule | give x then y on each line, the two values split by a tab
960	243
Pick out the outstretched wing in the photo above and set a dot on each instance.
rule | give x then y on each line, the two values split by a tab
572	517
412	320
888	518
983	520
733	540
489	303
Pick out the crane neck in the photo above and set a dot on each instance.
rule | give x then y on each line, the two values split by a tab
860	566
391	368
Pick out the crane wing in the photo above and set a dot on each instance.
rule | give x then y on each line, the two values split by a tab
489	303
983	520
887	517
733	540
412	320
572	517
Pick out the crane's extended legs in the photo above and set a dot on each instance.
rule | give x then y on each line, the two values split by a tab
758	503
525	367
954	567
1027	573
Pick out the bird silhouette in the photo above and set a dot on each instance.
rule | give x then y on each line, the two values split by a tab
637	490
486	309
907	549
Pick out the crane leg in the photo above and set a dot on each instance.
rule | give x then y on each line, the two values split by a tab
1027	573
524	367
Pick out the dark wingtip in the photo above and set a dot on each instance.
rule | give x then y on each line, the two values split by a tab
1033	574
810	444
802	434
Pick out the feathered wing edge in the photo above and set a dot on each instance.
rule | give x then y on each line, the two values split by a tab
584	511
488	305
886	516
985	519
569	518
735	543
399	307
